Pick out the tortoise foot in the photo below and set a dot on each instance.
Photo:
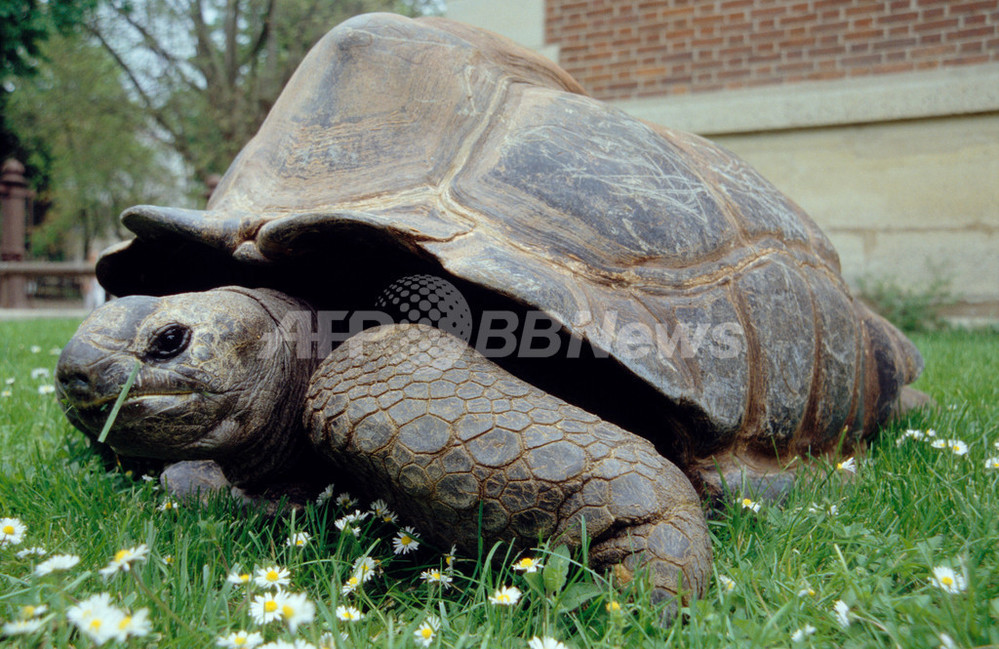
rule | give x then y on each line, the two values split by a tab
465	448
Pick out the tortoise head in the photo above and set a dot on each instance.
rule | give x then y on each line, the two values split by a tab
218	377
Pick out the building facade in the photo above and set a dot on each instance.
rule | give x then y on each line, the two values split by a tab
879	117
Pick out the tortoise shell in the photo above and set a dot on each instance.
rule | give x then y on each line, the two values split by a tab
457	147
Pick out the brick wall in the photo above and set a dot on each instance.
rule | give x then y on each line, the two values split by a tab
621	49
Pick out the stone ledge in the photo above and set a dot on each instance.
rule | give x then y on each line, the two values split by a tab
862	100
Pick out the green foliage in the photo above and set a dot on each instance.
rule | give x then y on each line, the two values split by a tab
909	309
870	540
24	26
84	131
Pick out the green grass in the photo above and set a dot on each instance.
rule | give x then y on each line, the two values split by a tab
910	508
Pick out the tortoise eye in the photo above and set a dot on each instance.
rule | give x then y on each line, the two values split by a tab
168	342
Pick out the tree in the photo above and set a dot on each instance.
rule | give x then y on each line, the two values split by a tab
208	71
80	124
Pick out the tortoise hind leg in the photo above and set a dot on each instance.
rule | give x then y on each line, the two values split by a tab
455	442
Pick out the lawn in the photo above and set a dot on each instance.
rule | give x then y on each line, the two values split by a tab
904	554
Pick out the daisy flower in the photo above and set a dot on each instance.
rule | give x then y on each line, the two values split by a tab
32	551
957	447
426	632
272	577
380	507
849	465
750	504
528	565
123	560
22	627
96	618
29	611
992	463
449	558
727	583
46	389
6	393
325	495
298	540
55	563
802	633
365	568
947	642
405	541
133	625
947	580
39	373
35	349
505	596
350	585
295	609
939	443
435	576
169	506
842	613
545	643
348	614
240	640
345	500
266	608
239	578
9	381
11	531
807	591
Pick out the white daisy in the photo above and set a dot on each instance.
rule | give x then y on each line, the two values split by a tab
545	643
947	642
426	632
33	610
405	541
22	627
528	565
379	508
11	531
123	560
169	506
39	373
807	591
295	609
505	596
298	540
842	613
957	447
345	500
133	625
727	583
350	585
324	495
849	465
35	349
365	568
240	640
266	608
55	563
948	580
32	551
802	633
435	576
750	504
46	388
272	577
992	463
6	393
239	578
96	618
348	614
9	381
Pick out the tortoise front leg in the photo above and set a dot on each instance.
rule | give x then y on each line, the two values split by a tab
443	434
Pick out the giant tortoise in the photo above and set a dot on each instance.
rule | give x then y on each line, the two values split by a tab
695	330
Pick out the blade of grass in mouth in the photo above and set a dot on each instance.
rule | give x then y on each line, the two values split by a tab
117	404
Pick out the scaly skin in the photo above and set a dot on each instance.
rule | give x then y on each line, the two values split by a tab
442	433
